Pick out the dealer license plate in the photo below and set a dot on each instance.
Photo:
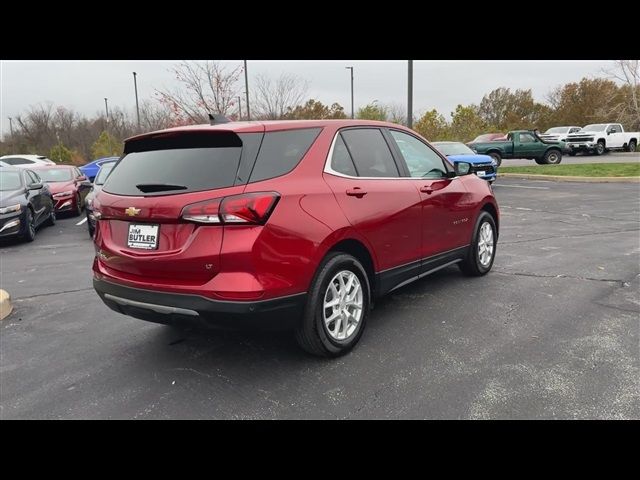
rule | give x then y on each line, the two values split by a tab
480	173
144	237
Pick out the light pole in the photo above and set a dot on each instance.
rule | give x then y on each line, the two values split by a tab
351	68
135	85
410	95
106	107
246	88
239	108
11	127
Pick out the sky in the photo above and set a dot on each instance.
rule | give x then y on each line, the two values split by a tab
83	85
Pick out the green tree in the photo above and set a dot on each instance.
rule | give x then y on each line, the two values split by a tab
60	154
372	112
466	123
315	110
504	110
106	146
432	126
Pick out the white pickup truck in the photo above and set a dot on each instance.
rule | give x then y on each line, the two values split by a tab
601	137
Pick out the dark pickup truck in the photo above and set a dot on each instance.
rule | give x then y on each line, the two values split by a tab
522	144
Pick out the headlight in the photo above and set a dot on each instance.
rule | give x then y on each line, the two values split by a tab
10	209
89	202
63	194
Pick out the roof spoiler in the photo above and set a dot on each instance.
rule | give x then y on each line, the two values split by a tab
217	119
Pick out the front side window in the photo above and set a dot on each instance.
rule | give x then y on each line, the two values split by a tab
421	160
370	153
33	178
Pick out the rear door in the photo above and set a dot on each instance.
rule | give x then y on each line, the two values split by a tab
141	231
446	209
384	208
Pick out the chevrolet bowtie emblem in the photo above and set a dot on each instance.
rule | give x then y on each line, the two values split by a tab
132	211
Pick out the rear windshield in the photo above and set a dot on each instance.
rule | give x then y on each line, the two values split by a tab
170	164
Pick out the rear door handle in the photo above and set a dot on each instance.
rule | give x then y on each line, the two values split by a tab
356	192
427	189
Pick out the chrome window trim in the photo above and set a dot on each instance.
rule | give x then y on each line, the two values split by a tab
331	171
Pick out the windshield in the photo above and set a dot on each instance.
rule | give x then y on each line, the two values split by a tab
9	181
558	130
596	127
105	170
55	174
454	148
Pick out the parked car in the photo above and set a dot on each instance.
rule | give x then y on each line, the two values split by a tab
522	144
559	133
483	166
25	203
296	224
602	137
24	161
91	169
68	186
103	173
488	137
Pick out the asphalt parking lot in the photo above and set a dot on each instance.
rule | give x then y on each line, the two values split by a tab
551	332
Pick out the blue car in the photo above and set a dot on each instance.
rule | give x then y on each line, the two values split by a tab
483	166
91	168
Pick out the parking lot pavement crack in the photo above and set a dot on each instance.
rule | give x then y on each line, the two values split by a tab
29	297
590	215
621	283
571	236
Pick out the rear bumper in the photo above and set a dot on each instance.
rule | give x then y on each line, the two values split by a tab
181	309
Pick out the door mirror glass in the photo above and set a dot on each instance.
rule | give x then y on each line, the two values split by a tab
462	168
35	186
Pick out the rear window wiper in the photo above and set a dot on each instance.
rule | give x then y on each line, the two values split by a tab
159	187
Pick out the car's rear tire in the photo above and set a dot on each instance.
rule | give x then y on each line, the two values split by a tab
496	156
600	148
30	227
482	250
337	307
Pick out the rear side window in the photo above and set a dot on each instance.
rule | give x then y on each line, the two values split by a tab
281	152
17	161
341	161
176	163
370	153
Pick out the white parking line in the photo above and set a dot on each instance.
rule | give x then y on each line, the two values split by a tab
82	221
521	186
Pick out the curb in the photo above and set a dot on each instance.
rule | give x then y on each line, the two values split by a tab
5	304
567	178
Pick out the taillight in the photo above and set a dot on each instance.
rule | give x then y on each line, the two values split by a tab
248	208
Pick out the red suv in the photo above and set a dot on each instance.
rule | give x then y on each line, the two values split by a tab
296	224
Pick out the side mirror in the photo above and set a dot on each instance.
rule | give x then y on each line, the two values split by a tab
462	168
82	178
35	186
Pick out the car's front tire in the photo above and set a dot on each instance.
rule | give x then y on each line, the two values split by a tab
337	307
51	220
482	250
600	148
78	210
496	156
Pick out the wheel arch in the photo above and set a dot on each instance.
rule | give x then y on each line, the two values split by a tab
491	209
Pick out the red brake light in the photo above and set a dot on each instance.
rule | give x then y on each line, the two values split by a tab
248	208
203	212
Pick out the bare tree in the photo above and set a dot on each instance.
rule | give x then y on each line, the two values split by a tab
272	99
206	87
627	72
154	116
397	113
